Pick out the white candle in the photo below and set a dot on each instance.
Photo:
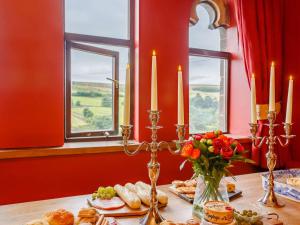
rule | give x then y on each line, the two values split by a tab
253	101
180	112
154	83
289	104
126	119
272	89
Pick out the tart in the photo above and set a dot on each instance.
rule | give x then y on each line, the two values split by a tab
218	212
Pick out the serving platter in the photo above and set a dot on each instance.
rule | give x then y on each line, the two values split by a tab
280	183
122	212
231	195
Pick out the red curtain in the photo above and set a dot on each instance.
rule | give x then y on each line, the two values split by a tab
260	30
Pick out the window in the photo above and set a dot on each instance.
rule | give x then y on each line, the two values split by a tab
98	43
208	74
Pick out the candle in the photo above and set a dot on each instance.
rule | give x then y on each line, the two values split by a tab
253	101
154	83
272	89
126	119
180	113
289	105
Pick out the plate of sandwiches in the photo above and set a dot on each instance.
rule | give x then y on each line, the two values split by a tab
125	200
186	189
86	216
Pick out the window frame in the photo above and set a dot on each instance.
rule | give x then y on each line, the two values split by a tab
72	38
115	88
197	52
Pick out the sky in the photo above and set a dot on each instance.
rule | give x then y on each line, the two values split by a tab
109	18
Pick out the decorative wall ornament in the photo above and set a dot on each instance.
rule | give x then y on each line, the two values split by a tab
218	13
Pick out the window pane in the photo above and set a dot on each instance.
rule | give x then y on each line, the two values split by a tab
92	98
200	36
124	58
207	80
97	17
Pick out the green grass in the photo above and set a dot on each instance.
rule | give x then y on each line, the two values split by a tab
94	104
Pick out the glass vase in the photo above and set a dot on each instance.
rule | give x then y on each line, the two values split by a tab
208	189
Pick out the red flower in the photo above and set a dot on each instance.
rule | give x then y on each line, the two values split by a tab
226	152
209	135
239	148
198	137
187	149
218	145
196	153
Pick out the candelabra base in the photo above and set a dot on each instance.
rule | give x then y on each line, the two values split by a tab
152	218
270	200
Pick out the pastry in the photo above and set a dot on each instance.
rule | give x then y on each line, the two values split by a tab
186	190
190	183
38	222
218	212
178	183
190	196
60	217
87	216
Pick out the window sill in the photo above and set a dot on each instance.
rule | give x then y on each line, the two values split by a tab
81	148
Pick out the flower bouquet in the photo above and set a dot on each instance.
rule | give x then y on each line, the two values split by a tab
211	154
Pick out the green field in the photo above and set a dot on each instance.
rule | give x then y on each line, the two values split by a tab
204	108
92	106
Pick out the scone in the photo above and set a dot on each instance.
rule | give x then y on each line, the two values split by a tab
37	222
60	217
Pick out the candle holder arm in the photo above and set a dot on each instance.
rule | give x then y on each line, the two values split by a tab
164	144
287	136
139	148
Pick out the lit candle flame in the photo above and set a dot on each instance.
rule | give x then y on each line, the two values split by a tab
127	66
273	63
291	77
253	75
179	68
154	53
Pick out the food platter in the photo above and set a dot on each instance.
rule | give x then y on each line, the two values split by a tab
124	211
125	200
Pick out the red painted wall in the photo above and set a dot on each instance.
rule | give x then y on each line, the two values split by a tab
239	96
292	66
52	177
31	74
33	60
163	26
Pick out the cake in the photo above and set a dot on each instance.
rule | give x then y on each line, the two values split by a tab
218	212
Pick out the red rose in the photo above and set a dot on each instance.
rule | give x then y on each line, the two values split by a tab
187	149
239	148
226	152
209	135
196	153
218	145
198	137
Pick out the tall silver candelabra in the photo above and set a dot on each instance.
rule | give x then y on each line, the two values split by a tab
269	199
153	217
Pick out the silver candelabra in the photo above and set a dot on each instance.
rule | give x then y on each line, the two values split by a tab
153	217
269	199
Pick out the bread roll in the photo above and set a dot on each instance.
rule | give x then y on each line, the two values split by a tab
129	197
60	217
161	196
131	187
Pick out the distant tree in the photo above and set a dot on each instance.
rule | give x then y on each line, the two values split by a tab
87	113
78	103
102	122
106	101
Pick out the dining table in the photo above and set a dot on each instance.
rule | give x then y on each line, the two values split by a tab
176	210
